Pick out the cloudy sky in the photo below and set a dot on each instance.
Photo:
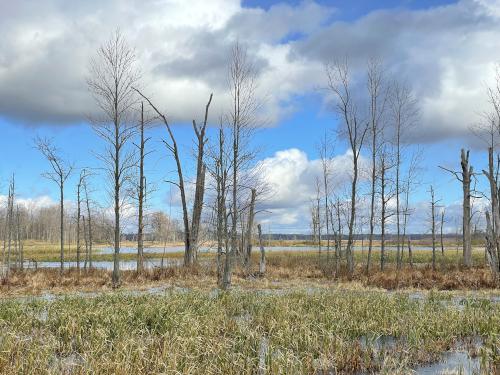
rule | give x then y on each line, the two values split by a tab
446	51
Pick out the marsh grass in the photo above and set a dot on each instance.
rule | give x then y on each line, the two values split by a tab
284	269
213	333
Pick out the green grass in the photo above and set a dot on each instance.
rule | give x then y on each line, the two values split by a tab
203	333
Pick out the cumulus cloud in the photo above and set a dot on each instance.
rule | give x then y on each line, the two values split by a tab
182	50
446	54
35	203
291	177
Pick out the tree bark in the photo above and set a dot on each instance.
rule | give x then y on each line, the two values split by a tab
249	233
467	172
142	178
262	263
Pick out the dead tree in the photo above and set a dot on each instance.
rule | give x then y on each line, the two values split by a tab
19	240
318	213
377	98
441	232
404	114
262	263
142	190
491	248
433	227
8	226
386	195
191	229
465	178
242	122
87	226
492	240
219	169
78	217
355	129
326	169
251	217
59	174
111	79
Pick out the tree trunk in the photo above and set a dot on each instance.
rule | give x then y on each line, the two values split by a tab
262	263
116	255
78	214
350	238
383	217
433	229
491	245
142	178
249	234
61	186
467	172
410	254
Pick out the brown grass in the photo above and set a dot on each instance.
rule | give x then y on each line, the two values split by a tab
282	271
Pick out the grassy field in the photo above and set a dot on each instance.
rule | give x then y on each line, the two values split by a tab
298	318
49	252
197	332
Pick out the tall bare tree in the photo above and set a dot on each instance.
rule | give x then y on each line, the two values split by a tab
433	226
60	171
113	73
377	93
191	228
465	177
326	168
404	114
387	193
339	84
141	187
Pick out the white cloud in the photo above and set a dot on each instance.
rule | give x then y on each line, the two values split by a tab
446	53
35	203
292	177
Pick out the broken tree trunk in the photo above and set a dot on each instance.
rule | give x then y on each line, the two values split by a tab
262	263
491	246
249	233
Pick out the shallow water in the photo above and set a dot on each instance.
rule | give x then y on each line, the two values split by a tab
459	362
124	265
208	249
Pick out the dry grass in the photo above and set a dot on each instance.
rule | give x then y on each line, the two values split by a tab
300	332
284	270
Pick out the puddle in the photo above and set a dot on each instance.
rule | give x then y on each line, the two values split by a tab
455	362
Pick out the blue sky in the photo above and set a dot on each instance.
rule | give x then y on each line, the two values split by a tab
290	51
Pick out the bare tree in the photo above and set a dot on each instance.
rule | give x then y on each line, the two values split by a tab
377	96
87	225
112	75
387	193
251	218
465	177
404	114
492	240
60	171
242	122
142	188
355	128
7	245
317	211
433	226
441	239
191	229
219	168
81	180
262	263
326	167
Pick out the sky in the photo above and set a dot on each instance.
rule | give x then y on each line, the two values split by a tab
445	51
